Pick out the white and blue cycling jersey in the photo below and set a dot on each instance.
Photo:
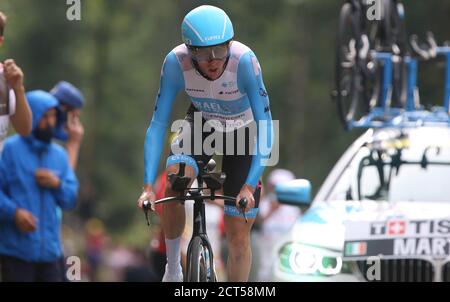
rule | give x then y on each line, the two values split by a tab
237	98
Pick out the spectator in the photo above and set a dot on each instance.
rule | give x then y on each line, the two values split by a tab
13	103
35	179
274	220
69	127
95	244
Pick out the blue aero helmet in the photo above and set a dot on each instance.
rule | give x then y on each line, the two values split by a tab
205	26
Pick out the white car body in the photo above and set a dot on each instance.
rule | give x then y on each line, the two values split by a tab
409	238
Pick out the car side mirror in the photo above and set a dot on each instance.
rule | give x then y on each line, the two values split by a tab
296	192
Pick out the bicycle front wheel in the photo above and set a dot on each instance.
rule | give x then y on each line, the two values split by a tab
199	267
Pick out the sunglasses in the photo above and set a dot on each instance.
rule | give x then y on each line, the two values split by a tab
217	52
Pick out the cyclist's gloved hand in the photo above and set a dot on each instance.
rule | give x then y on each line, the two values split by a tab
247	193
147	195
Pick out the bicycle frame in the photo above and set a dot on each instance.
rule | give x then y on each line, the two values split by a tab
199	221
181	184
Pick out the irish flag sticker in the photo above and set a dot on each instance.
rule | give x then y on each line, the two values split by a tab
356	248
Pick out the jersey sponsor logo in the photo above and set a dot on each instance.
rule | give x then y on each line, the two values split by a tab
220	108
228	84
229	92
262	92
195	90
226	124
211	107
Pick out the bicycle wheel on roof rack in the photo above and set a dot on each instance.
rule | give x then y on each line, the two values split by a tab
392	27
353	79
393	39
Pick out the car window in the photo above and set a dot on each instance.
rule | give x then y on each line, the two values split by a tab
346	186
416	172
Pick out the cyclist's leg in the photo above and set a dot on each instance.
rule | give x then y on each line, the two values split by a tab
173	218
236	229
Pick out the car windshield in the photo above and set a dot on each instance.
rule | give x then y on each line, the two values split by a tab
399	169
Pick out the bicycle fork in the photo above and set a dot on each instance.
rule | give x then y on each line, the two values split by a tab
199	230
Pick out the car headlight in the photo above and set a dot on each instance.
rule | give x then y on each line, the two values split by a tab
303	259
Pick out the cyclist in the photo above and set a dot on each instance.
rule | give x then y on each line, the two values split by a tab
223	79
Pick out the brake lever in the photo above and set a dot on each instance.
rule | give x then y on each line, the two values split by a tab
243	205
147	207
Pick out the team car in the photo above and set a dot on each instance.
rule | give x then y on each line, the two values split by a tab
382	214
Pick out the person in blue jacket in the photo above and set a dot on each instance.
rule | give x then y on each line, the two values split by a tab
35	179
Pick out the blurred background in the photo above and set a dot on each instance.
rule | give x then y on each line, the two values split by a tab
114	55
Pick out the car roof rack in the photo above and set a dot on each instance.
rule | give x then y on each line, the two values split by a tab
401	118
407	111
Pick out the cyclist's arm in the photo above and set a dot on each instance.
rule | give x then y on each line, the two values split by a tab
251	81
171	83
